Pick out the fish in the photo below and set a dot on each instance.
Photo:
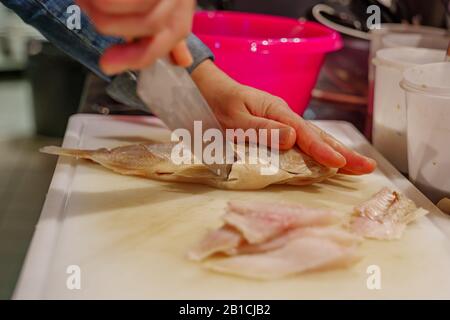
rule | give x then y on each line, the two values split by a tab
275	240
153	161
385	215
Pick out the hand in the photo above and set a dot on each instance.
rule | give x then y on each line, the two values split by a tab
237	106
159	25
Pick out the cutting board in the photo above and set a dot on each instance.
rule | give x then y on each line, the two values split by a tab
129	235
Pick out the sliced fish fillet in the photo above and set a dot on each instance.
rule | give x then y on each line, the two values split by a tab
259	222
269	241
153	161
296	256
334	234
223	240
256	223
385	215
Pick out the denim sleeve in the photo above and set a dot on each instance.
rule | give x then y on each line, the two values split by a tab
85	44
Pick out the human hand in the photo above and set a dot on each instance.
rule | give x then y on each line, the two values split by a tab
160	27
241	107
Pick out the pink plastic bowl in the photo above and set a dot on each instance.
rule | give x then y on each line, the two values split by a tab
279	55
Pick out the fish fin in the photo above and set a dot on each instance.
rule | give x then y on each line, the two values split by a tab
57	151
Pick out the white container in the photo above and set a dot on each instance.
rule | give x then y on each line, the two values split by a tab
376	43
428	103
377	35
416	40
389	114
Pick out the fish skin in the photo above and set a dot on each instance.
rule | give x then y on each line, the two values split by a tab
153	161
385	215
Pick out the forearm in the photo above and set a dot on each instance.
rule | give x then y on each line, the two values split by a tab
213	91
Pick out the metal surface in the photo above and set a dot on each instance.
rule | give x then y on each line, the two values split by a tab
172	95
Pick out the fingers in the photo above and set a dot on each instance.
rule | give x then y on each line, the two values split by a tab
287	135
348	172
356	164
123	6
139	24
121	57
160	26
307	139
136	55
181	55
312	144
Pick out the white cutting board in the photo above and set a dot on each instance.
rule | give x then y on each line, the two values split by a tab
129	235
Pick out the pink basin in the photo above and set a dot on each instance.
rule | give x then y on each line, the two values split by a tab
279	55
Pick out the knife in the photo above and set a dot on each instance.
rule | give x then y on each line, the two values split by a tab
171	94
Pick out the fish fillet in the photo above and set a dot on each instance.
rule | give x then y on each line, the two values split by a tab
296	256
261	221
237	244
249	227
385	215
274	240
224	240
337	235
153	161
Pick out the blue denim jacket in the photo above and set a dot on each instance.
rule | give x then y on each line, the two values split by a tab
86	45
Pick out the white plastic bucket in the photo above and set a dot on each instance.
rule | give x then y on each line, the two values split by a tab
376	43
389	114
416	40
428	108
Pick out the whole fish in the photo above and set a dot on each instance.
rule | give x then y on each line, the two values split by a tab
154	161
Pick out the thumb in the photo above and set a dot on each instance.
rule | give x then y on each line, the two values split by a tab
181	55
287	135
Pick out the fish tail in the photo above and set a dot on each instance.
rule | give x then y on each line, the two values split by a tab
83	154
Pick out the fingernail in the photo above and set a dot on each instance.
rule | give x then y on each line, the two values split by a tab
286	132
339	158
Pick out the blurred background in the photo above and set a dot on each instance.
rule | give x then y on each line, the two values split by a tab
40	88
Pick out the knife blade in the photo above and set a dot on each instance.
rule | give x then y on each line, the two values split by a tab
171	94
